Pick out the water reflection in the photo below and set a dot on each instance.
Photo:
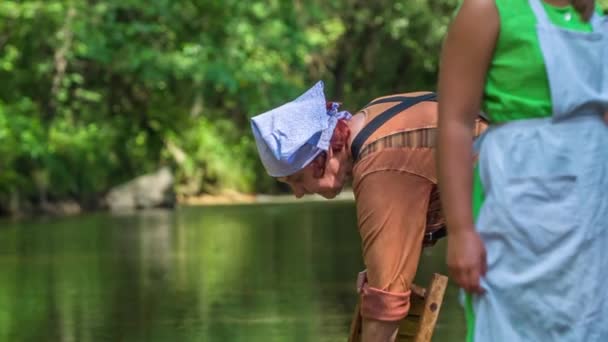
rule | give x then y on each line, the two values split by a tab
245	273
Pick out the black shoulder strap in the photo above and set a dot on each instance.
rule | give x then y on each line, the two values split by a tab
378	121
390	99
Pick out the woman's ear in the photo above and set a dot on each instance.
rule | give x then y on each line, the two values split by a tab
340	138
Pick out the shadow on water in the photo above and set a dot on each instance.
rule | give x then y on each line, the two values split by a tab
280	272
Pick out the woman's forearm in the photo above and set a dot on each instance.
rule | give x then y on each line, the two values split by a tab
466	56
455	172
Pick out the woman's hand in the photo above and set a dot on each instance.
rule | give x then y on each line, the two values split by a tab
466	259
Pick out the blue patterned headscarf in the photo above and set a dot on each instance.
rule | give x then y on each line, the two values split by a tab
289	137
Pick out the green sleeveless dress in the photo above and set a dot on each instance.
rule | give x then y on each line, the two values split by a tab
517	86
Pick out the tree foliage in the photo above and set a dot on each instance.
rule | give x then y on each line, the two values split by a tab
96	92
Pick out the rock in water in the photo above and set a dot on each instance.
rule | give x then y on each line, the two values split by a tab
147	191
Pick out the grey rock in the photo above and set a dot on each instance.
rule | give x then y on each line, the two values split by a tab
146	191
62	208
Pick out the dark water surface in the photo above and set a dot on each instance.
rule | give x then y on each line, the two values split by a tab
279	272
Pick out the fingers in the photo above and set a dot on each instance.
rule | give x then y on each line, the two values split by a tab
474	280
469	279
466	259
467	273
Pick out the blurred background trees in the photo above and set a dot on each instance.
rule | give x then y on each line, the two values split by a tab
95	92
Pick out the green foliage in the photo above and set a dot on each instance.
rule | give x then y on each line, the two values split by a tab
94	93
217	156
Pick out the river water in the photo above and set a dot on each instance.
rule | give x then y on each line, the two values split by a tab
272	272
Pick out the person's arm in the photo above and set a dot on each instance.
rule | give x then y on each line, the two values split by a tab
465	58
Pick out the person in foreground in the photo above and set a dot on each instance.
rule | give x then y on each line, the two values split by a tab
528	227
388	149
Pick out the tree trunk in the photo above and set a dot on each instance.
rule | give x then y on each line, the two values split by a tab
61	60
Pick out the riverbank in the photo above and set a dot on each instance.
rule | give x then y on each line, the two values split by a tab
232	197
72	208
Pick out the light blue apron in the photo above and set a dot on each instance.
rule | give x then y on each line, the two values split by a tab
544	220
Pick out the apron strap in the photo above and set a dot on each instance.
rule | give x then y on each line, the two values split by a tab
596	21
378	121
539	12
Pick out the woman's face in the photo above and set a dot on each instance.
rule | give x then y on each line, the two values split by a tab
325	176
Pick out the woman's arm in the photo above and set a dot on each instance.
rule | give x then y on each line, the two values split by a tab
465	58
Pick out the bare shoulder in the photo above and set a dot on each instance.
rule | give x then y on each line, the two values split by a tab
478	13
479	7
466	56
475	27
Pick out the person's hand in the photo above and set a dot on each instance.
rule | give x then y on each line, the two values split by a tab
466	259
